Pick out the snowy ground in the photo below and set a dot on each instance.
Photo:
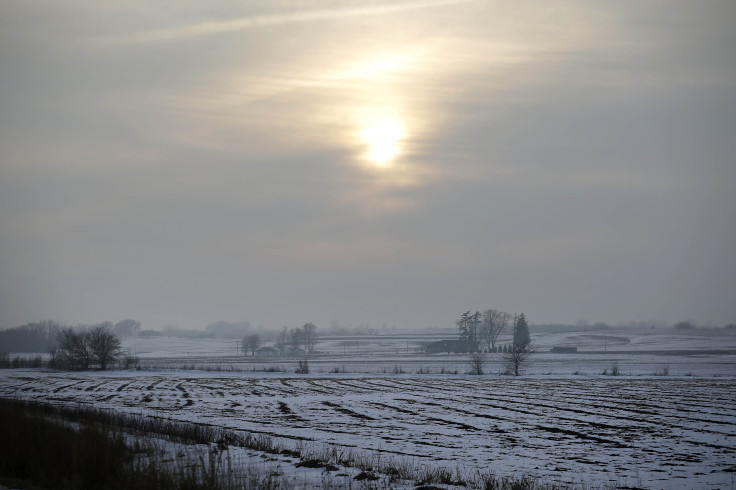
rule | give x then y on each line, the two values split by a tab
563	422
636	352
603	340
645	431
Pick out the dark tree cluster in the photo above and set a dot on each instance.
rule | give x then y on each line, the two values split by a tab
31	337
80	349
482	330
469	326
43	336
304	337
250	343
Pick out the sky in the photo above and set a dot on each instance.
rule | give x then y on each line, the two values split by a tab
367	162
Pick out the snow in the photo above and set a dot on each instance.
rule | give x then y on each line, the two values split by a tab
639	429
644	352
652	431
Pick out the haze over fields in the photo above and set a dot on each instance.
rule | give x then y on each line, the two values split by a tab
367	161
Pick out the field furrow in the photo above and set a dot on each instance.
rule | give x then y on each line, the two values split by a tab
554	429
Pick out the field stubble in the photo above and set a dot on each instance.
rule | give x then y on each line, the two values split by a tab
655	431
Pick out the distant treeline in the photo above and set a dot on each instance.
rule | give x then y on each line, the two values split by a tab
32	337
359	330
216	330
43	336
584	326
229	330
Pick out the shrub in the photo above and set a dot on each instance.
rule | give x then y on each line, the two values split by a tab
615	371
130	361
302	367
477	360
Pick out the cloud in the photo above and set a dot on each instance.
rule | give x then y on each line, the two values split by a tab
215	27
551	153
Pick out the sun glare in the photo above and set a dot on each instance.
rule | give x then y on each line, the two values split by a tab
382	138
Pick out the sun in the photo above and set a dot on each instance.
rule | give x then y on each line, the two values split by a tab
382	137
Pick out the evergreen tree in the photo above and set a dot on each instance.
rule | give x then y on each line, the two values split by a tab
521	331
463	327
474	327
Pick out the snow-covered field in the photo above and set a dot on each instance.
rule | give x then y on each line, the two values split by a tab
645	431
635	352
668	422
608	340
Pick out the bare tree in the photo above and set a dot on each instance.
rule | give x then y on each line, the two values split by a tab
477	361
493	323
283	338
104	344
517	357
296	338
310	336
251	343
74	349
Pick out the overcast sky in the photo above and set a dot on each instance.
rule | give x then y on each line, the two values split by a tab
181	162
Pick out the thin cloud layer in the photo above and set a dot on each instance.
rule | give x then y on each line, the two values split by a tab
219	27
175	164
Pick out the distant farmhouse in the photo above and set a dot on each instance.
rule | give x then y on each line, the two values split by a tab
267	352
451	346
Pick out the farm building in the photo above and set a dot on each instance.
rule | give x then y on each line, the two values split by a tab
449	346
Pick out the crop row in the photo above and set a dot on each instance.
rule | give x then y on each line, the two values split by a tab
660	430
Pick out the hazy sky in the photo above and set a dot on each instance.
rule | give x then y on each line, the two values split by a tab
181	162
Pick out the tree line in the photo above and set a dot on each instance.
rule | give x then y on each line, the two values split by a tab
304	337
481	331
79	349
43	336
